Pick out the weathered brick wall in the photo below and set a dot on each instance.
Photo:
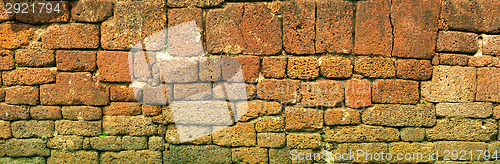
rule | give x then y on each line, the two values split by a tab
338	75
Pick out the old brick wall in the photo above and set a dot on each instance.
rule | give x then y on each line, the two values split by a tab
338	75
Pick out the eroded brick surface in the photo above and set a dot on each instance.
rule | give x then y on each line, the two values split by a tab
334	26
450	84
75	35
303	119
299	27
463	129
488	84
452	41
400	115
336	67
375	67
361	133
395	91
373	28
416	69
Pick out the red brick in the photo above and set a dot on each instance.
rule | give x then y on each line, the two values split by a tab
453	59
395	91
81	128
414	69
283	90
34	58
45	112
274	140
415	28
250	66
241	134
303	68
474	15
32	129
74	89
112	35
22	95
243	28
303	141
80	113
194	3
342	116
6	60
151	110
250	155
453	41
13	35
488	84
299	27
491	44
123	93
113	66
76	60
5	132
274	67
373	28
129	125
43	17
74	35
322	93
375	67
91	11
303	119
358	93
481	61
181	34
29	76
336	67
334	26
450	84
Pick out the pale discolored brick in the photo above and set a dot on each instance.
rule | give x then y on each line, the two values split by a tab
303	68
141	156
358	93
81	128
45	112
242	134
373	28
303	119
76	60
201	112
412	134
32	128
283	90
270	124
256	108
490	44
71	142
395	91
61	156
250	155
73	35
336	67
400	115
35	58
375	67
453	41
299	27
472	109
361	133
322	93
75	113
274	67
22	95
29	76
463	129
488	84
274	140
450	84
303	141
193	91
342	116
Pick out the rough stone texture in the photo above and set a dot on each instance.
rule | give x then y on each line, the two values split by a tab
336	67
74	35
193	91
81	128
452	41
156	143
165	117
242	134
178	70
123	93
6	59
412	148
11	112
282	90
14	35
412	134
249	66
250	155
322	93
23	160
373	28
299	27
274	67
151	110
334	26
256	108
26	147
400	115
375	67
361	133
29	76
5	130
74	89
248	28
451	59
481	61
441	146
34	58
303	68
132	22
122	109
195	3
472	109
475	15
113	66
179	21
192	134
22	95
491	44
303	119
87	113
463	129
342	116
395	91
272	140
303	141
58	156
106	143
358	93
270	124
142	156
450	84
277	156
415	28
201	112
32	129
43	17
488	84
414	69
197	154
66	142
91	11
129	125
76	60
367	147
